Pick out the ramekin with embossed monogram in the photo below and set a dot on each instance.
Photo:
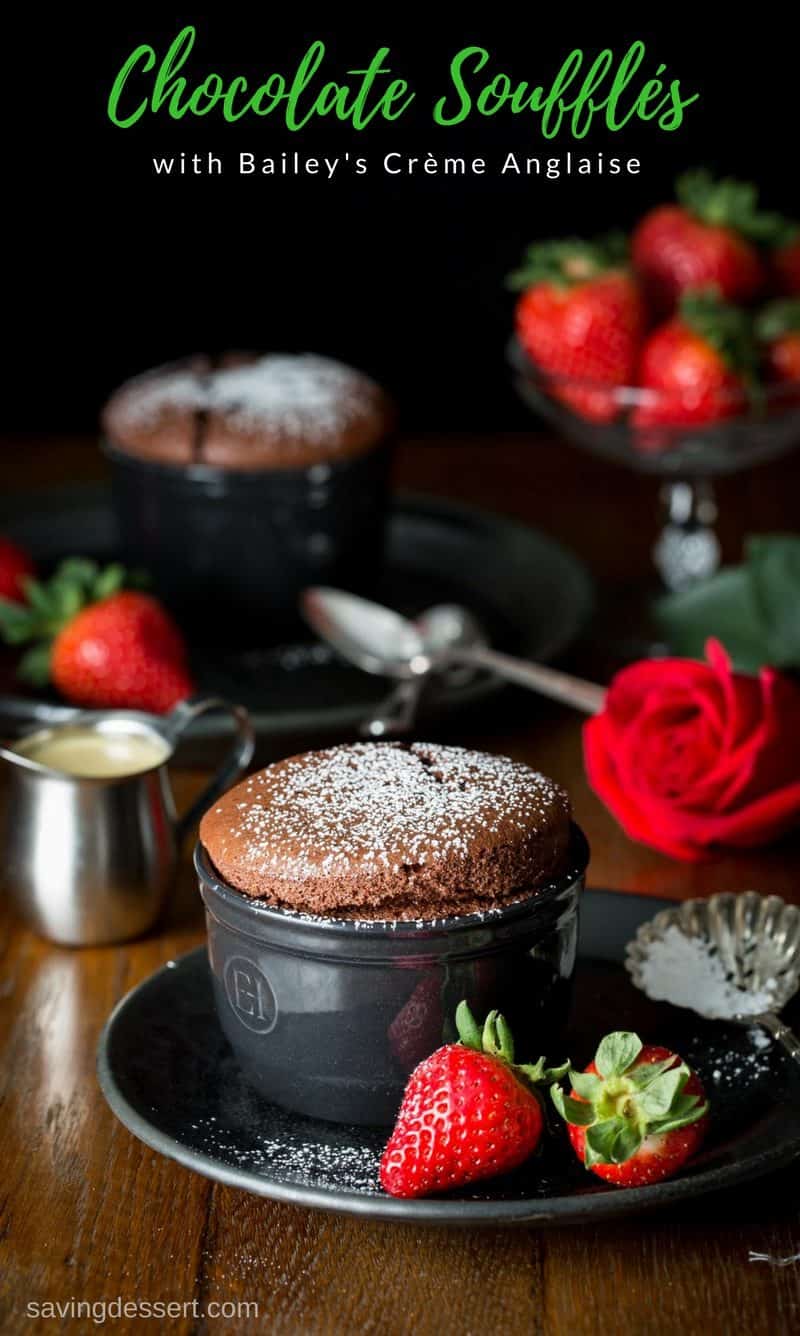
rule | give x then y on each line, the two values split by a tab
354	896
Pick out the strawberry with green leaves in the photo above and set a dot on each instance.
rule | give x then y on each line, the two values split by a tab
699	366
711	236
581	319
469	1112
99	643
636	1114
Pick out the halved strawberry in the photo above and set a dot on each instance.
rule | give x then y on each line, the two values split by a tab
636	1114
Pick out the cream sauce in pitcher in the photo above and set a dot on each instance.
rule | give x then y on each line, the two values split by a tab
88	824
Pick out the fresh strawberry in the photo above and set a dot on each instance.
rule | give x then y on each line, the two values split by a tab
636	1114
580	319
100	644
468	1113
708	238
15	568
778	329
698	367
711	237
786	262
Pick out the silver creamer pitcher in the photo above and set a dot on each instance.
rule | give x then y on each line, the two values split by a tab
88	860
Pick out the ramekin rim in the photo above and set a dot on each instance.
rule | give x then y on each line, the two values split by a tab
393	928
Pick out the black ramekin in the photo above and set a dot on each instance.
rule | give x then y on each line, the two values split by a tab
234	549
328	1017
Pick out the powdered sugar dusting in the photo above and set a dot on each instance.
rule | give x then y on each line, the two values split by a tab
360	804
689	972
348	1162
302	395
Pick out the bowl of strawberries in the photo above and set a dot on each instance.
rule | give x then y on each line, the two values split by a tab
675	351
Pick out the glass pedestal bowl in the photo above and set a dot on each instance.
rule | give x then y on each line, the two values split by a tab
686	458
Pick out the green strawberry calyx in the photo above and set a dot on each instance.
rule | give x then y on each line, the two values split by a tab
623	1103
569	262
495	1039
725	327
730	203
778	318
50	606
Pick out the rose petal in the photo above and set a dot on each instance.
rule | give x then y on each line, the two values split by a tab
692	757
633	819
766	819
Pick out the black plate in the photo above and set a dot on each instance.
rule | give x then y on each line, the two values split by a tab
168	1074
532	595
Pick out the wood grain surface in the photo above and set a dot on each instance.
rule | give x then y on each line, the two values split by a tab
90	1215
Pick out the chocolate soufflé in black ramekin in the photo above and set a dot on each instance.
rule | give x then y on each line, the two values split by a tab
240	480
355	895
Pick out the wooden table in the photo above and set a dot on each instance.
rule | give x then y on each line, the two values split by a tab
88	1213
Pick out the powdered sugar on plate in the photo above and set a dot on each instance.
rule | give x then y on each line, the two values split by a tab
349	1160
689	972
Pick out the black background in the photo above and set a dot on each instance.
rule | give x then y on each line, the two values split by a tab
112	269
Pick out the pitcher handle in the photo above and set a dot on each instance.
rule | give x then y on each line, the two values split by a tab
235	763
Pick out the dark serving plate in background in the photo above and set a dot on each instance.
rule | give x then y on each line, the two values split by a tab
533	596
168	1073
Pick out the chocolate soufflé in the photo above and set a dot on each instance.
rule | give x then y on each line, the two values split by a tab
248	413
390	831
240	480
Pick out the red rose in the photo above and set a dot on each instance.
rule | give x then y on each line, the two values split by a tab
692	756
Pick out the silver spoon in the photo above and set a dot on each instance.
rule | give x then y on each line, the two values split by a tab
381	641
444	626
731	957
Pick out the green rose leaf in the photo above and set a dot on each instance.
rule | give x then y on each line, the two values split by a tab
723	607
751	608
617	1052
774	565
